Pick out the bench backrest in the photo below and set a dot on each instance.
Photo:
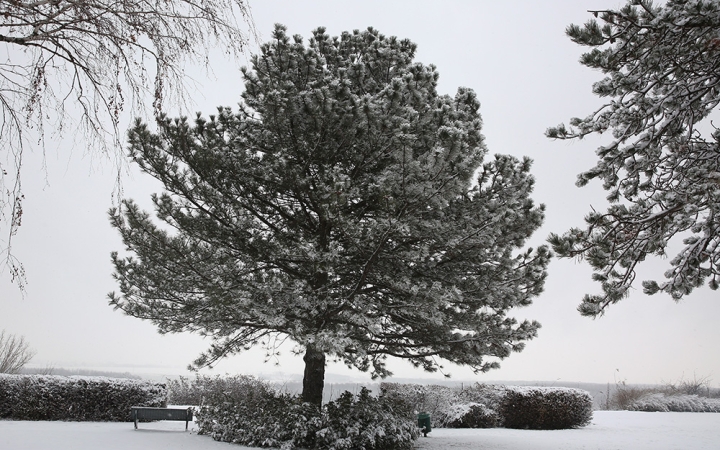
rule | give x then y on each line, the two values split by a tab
142	413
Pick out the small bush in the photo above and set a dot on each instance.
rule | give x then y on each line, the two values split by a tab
699	386
625	396
490	395
241	388
662	402
365	422
246	411
433	399
14	353
184	391
691	395
473	407
545	408
470	415
272	420
48	397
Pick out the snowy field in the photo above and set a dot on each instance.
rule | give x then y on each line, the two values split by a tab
610	430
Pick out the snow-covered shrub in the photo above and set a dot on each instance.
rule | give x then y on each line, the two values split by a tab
469	415
247	411
183	391
626	395
546	408
487	405
364	422
490	395
433	399
188	391
675	403
481	404
269	419
474	407
51	397
697	385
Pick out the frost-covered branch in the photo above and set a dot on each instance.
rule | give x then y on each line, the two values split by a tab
96	59
662	72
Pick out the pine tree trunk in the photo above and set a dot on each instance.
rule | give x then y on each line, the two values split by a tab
314	378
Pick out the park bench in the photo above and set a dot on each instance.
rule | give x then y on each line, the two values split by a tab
146	413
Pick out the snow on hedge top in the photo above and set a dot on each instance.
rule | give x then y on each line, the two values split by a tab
529	390
60	379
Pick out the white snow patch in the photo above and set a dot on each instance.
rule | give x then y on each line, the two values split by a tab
610	430
528	390
162	435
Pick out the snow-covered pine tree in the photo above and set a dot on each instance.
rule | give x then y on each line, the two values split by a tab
661	173
336	208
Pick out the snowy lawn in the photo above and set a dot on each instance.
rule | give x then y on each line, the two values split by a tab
163	435
610	430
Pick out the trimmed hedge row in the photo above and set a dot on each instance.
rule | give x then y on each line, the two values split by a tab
490	406
75	398
546	408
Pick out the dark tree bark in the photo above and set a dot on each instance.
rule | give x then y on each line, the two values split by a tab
314	377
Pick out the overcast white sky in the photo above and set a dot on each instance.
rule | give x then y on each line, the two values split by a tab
515	55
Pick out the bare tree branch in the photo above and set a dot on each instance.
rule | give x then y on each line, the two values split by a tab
102	57
14	353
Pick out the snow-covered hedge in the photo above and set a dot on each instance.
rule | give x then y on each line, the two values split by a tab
482	403
204	389
474	407
49	397
469	415
675	403
545	408
433	399
366	422
489	406
246	411
184	391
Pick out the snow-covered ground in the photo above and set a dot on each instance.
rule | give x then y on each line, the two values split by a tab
610	430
